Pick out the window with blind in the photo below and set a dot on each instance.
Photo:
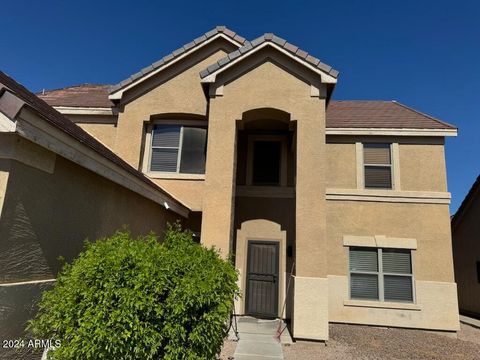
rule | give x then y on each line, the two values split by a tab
178	149
377	164
381	274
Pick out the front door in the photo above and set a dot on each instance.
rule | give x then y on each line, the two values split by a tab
262	279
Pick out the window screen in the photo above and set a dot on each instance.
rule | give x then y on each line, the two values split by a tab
381	274
178	149
377	166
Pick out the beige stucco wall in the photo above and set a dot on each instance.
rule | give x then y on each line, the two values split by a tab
422	167
101	127
341	165
258	84
105	133
466	253
414	153
427	223
432	262
49	214
176	91
435	308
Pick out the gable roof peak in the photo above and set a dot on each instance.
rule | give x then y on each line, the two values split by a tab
219	30
249	46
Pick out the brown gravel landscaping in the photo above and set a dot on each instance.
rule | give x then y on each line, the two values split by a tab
228	350
364	342
352	342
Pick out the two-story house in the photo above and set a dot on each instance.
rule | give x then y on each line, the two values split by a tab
347	198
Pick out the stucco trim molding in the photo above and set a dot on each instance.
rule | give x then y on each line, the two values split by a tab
421	197
380	241
382	305
391	132
78	110
174	176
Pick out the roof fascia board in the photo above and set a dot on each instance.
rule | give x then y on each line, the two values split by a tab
53	139
391	131
83	110
117	95
326	78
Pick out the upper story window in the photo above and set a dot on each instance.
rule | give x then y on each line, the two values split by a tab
377	163
178	149
381	274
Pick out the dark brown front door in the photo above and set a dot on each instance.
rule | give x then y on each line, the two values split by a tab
262	279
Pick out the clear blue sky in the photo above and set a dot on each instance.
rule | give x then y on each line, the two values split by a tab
425	54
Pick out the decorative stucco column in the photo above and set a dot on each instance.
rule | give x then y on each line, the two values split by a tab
310	313
219	196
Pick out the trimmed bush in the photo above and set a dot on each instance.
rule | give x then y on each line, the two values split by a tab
139	299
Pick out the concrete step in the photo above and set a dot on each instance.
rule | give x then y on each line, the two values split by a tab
257	357
249	347
263	338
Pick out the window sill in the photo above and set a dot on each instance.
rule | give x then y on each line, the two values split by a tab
174	176
382	305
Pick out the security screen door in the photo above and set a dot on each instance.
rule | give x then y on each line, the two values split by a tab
262	279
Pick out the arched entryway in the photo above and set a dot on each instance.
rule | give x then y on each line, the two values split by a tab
264	212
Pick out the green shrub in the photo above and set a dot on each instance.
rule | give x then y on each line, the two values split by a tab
139	299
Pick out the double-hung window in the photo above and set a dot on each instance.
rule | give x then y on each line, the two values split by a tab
377	165
381	274
178	149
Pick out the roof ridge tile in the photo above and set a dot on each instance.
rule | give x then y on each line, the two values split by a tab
271	37
219	29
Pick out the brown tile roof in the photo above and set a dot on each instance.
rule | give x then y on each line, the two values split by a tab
379	114
84	95
168	58
269	37
59	121
340	113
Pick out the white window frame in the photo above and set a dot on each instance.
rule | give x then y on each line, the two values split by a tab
380	274
149	146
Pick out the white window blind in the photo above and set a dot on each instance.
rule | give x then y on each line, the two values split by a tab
381	274
377	162
178	149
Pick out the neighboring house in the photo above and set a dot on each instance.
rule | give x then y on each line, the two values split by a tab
58	187
466	251
348	197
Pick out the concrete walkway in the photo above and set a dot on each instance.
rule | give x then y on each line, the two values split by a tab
257	339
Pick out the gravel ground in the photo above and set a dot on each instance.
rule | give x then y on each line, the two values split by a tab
228	350
352	342
365	342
